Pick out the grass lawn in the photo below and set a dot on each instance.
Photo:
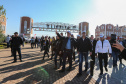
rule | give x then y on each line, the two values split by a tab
3	45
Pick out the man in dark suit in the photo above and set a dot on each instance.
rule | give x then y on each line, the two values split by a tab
17	42
67	48
93	42
92	62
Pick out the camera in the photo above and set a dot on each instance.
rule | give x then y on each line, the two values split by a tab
113	38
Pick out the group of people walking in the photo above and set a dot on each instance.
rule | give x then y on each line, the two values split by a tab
65	48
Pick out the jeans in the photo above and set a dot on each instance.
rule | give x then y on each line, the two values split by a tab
81	54
8	44
115	57
19	52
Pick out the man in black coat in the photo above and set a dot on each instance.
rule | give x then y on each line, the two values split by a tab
41	41
46	47
84	45
93	43
67	48
17	42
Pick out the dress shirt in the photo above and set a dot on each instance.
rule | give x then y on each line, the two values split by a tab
68	45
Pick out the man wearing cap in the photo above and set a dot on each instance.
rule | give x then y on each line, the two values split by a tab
84	45
17	42
103	47
67	47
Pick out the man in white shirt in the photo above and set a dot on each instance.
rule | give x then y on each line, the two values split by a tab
103	47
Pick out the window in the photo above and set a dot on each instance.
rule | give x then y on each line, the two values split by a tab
124	29
117	28
25	26
3	28
3	19
107	33
102	27
109	27
117	33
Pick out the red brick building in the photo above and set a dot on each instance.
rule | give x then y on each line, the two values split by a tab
108	29
84	26
3	23
26	26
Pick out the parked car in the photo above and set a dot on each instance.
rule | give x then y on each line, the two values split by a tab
27	40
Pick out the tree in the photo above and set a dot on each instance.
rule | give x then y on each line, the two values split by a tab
2	11
2	14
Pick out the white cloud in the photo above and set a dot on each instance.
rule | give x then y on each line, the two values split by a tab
107	11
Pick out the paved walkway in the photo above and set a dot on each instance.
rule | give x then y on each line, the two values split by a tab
34	70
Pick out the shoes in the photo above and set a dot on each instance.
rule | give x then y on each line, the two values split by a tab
79	74
21	61
62	71
55	67
69	69
100	74
85	70
114	65
14	61
106	69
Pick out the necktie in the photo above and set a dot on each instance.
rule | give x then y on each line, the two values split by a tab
102	44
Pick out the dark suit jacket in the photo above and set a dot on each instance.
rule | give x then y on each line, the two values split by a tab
65	40
94	45
84	46
46	47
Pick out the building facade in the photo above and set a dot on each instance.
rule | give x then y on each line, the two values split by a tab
108	29
3	24
26	26
84	26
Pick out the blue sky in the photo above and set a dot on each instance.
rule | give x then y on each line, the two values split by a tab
95	12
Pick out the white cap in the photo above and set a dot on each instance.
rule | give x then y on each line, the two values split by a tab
68	32
83	31
101	35
120	37
78	35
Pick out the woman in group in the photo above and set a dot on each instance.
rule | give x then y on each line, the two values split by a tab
52	47
46	47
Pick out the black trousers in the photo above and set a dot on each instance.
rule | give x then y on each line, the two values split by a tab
11	50
93	56
92	63
67	53
19	52
104	57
